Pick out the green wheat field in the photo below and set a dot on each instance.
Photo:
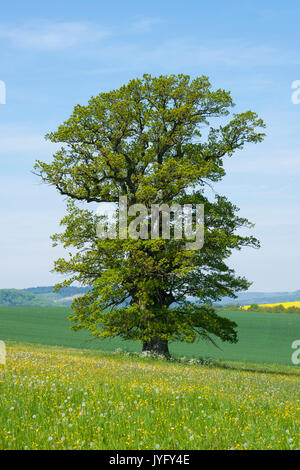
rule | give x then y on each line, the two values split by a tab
263	337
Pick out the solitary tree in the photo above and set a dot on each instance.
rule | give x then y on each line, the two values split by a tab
151	140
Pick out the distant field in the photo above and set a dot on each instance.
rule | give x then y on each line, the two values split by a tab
263	338
285	304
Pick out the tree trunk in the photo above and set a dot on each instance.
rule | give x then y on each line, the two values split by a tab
157	346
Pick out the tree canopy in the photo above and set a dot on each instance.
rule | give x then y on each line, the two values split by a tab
152	140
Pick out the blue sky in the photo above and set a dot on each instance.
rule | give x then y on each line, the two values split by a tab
53	57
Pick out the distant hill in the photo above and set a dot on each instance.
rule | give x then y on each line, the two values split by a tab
63	297
20	298
248	298
64	292
44	296
39	296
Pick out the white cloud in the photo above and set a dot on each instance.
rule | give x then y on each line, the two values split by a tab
175	52
25	143
190	52
18	138
145	25
27	255
281	162
56	36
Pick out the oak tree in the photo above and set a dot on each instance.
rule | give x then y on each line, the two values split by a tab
156	140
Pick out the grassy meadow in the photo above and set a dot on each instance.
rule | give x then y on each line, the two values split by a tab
55	398
63	390
263	337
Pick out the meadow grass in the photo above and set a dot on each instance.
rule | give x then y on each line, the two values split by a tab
56	398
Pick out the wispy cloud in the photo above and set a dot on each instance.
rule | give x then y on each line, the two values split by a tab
145	25
121	45
25	143
189	52
178	54
54	36
280	162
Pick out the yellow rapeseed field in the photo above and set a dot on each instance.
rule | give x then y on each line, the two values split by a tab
285	304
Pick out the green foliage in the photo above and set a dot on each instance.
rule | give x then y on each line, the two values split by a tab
232	307
254	307
152	141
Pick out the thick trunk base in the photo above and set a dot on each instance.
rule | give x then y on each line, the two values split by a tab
157	346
